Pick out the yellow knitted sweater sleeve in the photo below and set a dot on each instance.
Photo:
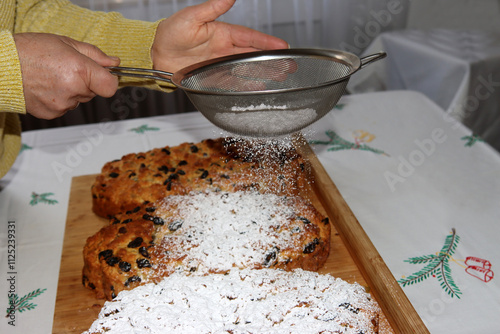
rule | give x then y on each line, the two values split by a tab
11	85
11	101
131	40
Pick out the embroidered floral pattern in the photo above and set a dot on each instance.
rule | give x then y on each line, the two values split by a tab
472	139
24	147
438	265
42	198
478	268
20	305
337	143
143	128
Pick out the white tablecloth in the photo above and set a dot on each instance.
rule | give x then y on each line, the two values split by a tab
417	181
459	70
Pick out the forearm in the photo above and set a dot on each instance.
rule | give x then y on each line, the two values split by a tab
130	40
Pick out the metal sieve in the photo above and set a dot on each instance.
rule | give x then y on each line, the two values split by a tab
264	93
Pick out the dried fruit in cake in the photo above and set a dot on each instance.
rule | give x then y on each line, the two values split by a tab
205	232
243	301
213	164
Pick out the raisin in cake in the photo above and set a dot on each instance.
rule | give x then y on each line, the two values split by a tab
243	301
220	164
205	233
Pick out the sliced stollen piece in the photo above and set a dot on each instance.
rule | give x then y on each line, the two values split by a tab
242	301
205	232
223	164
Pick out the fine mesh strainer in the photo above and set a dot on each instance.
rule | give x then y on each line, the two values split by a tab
264	93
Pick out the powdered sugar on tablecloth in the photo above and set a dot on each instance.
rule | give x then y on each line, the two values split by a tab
246	301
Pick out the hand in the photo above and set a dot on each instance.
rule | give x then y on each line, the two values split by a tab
192	35
59	73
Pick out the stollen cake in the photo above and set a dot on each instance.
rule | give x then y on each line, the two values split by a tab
242	301
204	232
223	164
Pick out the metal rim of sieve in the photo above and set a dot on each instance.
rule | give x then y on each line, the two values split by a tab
353	62
219	98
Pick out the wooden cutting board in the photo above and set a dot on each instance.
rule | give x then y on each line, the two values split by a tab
352	257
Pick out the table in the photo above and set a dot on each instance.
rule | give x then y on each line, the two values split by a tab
422	186
457	69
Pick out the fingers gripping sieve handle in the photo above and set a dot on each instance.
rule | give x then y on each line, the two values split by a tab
371	58
140	73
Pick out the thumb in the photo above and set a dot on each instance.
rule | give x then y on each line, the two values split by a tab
210	10
96	54
100	80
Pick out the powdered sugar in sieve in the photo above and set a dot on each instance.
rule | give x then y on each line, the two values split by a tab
278	119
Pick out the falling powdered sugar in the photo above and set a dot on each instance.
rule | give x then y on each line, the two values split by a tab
277	156
243	301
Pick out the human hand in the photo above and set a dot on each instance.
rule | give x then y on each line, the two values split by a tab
59	73
192	35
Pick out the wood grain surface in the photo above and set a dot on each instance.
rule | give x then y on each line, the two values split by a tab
352	257
399	311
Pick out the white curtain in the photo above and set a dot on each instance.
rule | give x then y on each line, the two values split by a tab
341	24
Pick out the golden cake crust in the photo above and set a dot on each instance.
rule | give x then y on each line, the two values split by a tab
214	164
157	239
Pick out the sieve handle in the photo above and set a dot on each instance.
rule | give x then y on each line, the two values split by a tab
140	73
371	58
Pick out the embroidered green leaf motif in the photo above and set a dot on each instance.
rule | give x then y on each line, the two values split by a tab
438	266
144	128
42	198
20	305
339	106
25	147
421	259
337	143
472	139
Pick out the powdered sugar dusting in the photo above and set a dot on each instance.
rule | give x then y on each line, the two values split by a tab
246	301
266	121
274	155
220	231
267	151
260	107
